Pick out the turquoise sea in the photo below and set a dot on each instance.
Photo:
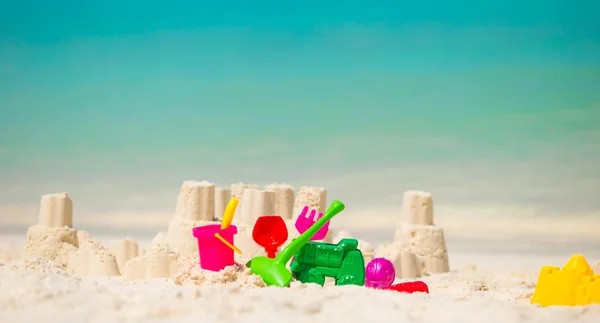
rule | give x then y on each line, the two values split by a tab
480	103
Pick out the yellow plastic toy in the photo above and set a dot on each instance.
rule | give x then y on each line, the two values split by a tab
573	284
226	222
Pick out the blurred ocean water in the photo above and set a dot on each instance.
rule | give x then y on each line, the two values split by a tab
494	111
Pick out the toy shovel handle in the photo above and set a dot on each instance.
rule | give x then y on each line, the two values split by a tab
229	213
288	252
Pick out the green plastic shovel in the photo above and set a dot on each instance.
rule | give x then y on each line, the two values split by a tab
274	271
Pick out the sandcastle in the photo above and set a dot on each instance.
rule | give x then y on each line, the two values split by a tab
160	261
55	238
284	199
92	259
197	204
195	207
419	247
222	196
123	250
197	198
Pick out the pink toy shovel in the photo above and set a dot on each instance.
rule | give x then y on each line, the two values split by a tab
303	223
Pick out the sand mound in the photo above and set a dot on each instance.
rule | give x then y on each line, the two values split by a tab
52	243
8	253
238	275
34	265
162	284
92	259
467	295
160	261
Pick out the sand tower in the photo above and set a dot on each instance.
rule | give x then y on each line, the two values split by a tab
195	207
53	237
284	199
419	247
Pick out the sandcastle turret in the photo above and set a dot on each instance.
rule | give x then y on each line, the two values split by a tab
313	197
195	207
160	261
222	197
92	259
284	199
237	191
53	237
419	247
123	250
56	211
255	203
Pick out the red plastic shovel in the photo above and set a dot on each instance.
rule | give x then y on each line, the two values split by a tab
270	232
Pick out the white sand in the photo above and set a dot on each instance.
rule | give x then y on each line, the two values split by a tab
494	262
34	290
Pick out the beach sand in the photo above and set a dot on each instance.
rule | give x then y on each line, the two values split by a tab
489	282
494	263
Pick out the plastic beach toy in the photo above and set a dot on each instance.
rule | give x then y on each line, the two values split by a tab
270	232
303	223
225	242
575	284
380	273
342	261
226	222
410	287
274	271
214	253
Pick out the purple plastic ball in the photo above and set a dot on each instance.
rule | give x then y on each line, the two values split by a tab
380	273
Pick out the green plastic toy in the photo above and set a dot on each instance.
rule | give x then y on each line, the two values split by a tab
274	271
342	261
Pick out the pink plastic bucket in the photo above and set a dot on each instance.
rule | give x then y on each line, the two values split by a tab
214	254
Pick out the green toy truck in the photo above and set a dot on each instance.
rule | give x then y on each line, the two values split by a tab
342	261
